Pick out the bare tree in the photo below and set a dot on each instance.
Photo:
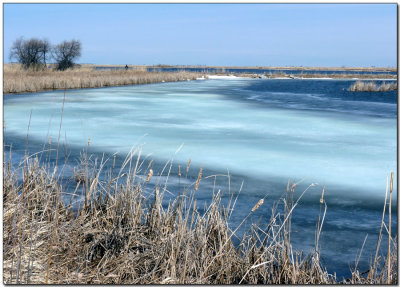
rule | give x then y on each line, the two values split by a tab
30	53
66	53
46	49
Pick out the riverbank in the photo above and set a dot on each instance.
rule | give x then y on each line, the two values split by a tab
350	76
17	80
297	68
121	234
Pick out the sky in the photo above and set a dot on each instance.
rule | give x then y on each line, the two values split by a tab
361	35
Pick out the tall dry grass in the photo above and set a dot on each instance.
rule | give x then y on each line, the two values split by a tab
309	75
120	234
299	68
18	80
347	75
360	86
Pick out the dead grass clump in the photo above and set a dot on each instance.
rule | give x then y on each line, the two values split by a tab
360	86
121	234
85	170
387	87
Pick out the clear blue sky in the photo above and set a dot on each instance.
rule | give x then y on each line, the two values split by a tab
214	34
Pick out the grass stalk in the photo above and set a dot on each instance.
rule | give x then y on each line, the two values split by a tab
389	279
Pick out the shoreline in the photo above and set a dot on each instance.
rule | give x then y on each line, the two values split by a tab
295	78
299	68
19	81
205	77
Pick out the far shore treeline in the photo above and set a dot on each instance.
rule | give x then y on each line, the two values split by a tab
34	53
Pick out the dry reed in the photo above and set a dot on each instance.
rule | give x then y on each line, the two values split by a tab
360	86
347	76
122	235
309	75
299	68
18	80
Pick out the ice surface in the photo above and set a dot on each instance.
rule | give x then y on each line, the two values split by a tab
333	149
219	77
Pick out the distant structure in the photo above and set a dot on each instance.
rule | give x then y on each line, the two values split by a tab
126	67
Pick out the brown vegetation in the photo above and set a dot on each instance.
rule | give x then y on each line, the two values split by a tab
346	76
282	74
18	80
299	68
360	86
333	75
122	235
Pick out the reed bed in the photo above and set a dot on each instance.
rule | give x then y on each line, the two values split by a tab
360	86
299	68
347	76
282	74
18	80
333	75
122	234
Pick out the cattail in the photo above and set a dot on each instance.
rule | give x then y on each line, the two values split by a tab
199	178
149	175
88	142
188	165
391	182
150	163
322	196
259	203
50	140
179	171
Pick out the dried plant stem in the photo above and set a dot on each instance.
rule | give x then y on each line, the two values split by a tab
198	179
371	273
389	279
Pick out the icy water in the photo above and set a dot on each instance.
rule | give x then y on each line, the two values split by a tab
263	131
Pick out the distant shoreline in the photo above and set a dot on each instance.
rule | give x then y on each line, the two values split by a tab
299	68
17	80
226	76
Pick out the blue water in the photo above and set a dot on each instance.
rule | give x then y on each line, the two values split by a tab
263	131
